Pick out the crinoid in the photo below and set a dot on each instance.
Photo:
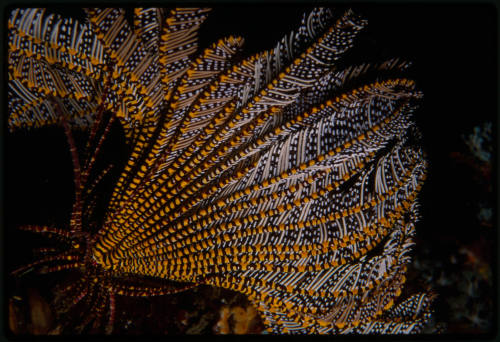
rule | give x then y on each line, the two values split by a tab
282	176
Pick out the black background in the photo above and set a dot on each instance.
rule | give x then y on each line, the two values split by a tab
454	53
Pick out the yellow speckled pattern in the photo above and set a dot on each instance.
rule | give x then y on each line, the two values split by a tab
282	176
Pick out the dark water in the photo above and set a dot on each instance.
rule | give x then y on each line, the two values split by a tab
453	50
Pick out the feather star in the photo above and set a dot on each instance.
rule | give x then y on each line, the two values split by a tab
281	176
